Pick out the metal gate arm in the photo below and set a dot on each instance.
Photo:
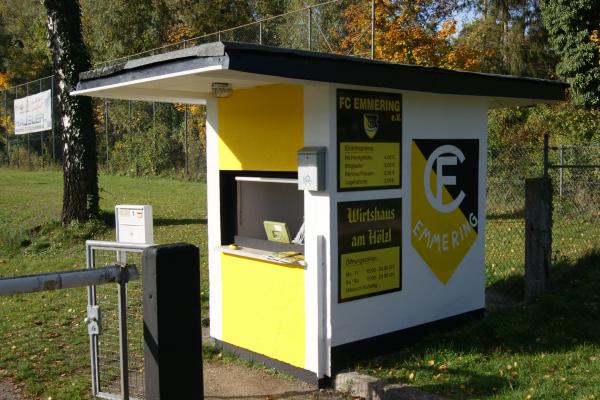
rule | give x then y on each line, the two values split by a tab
68	279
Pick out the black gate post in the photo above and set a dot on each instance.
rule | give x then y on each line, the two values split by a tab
172	325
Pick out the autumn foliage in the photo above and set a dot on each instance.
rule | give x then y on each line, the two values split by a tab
417	32
4	81
5	122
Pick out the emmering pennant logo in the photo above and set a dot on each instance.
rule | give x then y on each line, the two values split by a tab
371	124
444	201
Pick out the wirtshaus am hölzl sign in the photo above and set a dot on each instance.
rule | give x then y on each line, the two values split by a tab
369	242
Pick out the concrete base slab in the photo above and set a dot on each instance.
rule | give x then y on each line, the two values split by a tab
371	388
358	385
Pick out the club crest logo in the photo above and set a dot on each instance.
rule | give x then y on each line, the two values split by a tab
445	196
371	124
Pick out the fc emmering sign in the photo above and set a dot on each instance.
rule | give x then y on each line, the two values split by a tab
369	242
369	134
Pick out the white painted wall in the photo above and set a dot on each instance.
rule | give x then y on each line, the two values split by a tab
317	214
423	297
214	219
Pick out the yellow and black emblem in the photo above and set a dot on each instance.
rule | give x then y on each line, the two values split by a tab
371	124
445	196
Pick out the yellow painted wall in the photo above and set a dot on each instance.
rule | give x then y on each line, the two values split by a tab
263	308
260	129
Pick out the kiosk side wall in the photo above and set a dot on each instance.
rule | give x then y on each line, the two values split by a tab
426	294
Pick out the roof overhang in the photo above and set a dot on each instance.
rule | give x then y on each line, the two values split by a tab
185	76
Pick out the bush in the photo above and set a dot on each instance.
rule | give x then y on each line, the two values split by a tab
144	153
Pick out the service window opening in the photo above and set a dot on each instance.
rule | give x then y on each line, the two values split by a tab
268	211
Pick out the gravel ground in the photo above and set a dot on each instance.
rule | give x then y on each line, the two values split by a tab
230	381
10	392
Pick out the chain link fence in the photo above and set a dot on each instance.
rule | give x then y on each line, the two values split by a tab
576	205
324	27
141	138
576	201
32	150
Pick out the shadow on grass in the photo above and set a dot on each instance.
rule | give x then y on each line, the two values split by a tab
108	217
516	214
565	320
513	286
179	221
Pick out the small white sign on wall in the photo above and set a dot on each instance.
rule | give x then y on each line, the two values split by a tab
134	224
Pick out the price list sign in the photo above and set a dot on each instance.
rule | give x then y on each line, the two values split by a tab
369	242
369	137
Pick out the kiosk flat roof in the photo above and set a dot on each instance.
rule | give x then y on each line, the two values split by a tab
186	75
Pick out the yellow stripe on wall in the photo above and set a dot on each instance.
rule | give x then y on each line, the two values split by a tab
260	129
263	308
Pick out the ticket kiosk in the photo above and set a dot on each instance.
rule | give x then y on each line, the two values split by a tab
346	197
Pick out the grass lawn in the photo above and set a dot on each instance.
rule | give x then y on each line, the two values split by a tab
548	349
43	341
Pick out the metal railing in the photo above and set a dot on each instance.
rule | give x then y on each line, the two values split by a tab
118	338
119	274
116	350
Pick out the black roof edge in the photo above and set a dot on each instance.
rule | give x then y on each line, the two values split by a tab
324	67
307	65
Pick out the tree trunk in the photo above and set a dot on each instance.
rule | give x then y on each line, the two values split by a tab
70	57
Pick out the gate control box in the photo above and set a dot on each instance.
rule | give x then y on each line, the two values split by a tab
134	224
311	168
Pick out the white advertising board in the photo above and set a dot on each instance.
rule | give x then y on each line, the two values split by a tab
33	113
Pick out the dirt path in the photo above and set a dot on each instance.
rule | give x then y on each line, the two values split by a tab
223	381
230	381
10	392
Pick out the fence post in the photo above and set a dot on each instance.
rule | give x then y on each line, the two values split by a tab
538	235
106	130
546	149
17	136
53	118
562	162
42	134
172	325
28	135
185	139
309	28
372	29
6	127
